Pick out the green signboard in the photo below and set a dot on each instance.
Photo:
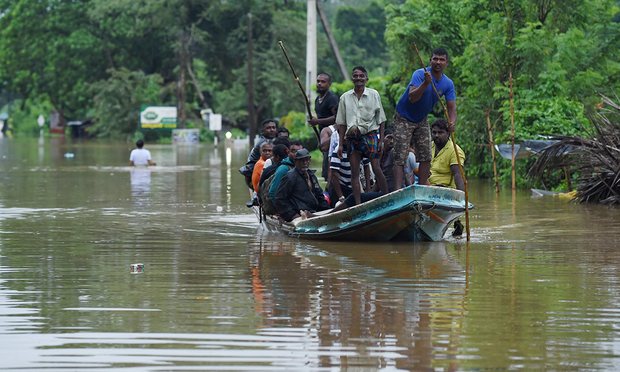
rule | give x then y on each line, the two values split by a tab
158	117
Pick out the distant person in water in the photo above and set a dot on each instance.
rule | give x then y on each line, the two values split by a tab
140	156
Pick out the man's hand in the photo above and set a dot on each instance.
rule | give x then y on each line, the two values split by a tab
427	77
313	122
340	149
451	127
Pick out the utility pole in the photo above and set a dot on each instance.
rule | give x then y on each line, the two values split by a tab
251	108
311	48
332	42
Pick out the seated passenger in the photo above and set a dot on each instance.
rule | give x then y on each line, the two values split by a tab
265	153
283	133
411	168
300	191
268	134
275	142
279	153
444	166
284	167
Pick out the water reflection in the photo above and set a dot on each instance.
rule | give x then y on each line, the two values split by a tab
538	289
140	181
403	309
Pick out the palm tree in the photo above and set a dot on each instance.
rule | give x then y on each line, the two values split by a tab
594	158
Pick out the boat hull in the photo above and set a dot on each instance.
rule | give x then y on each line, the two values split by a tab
415	213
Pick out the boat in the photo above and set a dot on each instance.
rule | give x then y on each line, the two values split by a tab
414	213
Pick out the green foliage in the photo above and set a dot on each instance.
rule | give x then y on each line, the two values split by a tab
558	71
48	51
298	128
117	101
540	115
238	133
103	59
206	135
360	34
24	114
427	24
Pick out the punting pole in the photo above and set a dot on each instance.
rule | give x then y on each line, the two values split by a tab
512	125
492	148
303	91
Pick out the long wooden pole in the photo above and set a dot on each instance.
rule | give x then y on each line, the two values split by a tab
251	108
492	148
458	158
512	125
303	91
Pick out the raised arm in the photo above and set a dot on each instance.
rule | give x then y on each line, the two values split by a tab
416	91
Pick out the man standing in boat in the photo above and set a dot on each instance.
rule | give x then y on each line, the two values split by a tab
325	106
410	120
299	192
445	166
361	120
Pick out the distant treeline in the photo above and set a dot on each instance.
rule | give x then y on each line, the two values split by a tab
102	59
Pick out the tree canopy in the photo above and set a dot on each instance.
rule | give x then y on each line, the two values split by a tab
101	59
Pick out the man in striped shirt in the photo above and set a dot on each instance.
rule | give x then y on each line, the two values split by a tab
340	180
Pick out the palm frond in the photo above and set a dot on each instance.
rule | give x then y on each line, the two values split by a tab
594	157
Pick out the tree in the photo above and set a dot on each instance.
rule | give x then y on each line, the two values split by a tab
117	101
48	51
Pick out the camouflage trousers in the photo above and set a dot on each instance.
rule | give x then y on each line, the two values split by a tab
407	133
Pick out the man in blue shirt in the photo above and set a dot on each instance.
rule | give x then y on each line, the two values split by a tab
410	120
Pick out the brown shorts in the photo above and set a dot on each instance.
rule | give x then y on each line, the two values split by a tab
416	134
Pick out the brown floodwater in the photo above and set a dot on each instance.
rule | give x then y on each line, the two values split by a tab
538	287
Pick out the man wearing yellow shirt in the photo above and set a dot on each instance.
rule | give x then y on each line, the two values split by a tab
444	166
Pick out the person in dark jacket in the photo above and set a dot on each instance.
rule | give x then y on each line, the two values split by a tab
280	152
269	128
300	191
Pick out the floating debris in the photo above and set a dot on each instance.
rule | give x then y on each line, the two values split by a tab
137	268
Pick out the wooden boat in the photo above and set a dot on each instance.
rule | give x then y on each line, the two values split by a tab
414	213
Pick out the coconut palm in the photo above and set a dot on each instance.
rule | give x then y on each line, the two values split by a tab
594	158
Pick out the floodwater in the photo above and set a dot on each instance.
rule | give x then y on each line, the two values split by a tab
538	287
